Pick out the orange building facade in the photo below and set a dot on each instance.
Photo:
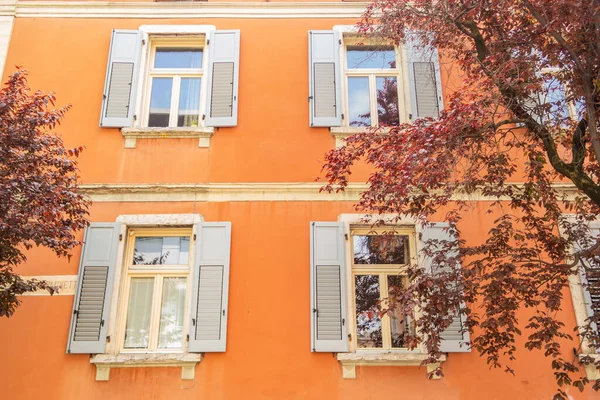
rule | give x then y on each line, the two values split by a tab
214	268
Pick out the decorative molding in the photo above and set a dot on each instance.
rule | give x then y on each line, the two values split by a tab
349	361
340	133
232	192
104	362
160	219
132	134
66	284
181	9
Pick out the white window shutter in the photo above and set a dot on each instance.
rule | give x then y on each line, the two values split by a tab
118	102
91	305
424	78
208	328
324	78
590	279
329	329
453	339
223	78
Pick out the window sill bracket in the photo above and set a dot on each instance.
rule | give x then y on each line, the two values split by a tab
187	362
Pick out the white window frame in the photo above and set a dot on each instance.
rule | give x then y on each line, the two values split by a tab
381	270
176	74
169	36
131	222
371	74
403	224
158	273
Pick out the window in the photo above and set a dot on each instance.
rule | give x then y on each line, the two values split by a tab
378	259
555	94
176	77
144	291
372	77
156	289
174	82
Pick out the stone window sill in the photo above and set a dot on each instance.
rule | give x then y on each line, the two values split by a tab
202	133
349	361
340	133
104	362
590	369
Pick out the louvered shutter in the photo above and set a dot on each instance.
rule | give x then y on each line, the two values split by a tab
118	103
590	278
424	78
222	78
91	305
324	78
453	340
208	328
329	332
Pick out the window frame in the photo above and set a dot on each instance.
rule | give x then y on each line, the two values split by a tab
399	223
171	42
127	273
400	73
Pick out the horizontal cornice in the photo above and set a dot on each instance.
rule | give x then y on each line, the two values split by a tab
236	192
180	9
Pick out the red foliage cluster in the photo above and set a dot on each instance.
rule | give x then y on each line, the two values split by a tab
503	135
40	203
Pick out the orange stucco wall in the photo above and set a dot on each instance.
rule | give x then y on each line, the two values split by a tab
268	345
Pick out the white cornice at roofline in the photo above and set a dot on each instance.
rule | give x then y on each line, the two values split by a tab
179	9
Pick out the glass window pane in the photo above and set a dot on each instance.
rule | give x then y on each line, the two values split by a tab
170	335
157	250
368	323
557	98
178	58
189	102
387	100
381	249
160	102
400	324
359	103
138	313
380	57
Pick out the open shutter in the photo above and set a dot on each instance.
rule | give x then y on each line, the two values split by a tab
91	305
222	78
118	103
208	328
324	78
590	278
453	340
329	332
424	78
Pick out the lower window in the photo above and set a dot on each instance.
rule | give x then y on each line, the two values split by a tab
156	282
379	259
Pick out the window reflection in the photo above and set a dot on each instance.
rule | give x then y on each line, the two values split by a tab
157	250
178	58
380	249
375	57
368	322
359	104
137	328
400	324
170	334
160	102
189	102
387	100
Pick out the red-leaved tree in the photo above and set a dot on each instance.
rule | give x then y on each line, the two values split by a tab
39	199
520	126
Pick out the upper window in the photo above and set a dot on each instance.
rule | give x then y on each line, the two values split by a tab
156	289
372	80
379	259
173	95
